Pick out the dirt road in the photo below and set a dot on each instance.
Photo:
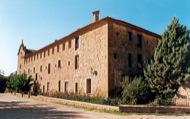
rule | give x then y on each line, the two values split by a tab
13	107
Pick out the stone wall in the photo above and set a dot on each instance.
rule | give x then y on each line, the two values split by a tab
153	109
92	54
120	46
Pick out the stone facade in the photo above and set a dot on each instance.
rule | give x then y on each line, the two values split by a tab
90	60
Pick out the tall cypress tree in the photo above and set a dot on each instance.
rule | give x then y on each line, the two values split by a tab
170	66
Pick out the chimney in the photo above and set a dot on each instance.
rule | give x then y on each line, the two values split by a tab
95	16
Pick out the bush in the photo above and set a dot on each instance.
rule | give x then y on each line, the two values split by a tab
85	98
135	90
159	101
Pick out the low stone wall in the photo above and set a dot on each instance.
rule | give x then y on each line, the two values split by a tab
121	108
153	109
73	103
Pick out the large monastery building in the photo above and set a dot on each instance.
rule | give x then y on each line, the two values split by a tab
91	60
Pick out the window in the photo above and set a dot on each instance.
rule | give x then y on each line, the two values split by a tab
36	76
139	61
59	86
88	85
76	43
37	56
139	41
59	63
34	70
66	87
63	46
117	34
69	63
48	52
130	36
20	66
76	61
40	55
48	86
49	68
130	60
41	68
52	50
76	87
115	56
57	48
69	44
44	54
34	57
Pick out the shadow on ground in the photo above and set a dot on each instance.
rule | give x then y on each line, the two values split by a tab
24	110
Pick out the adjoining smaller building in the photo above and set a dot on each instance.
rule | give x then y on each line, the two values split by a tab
91	60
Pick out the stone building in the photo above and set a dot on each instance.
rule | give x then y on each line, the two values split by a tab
91	60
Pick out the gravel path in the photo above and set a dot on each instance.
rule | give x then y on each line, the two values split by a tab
13	107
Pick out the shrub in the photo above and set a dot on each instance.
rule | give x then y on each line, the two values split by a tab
85	98
135	90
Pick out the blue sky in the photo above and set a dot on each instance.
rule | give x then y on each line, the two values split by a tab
40	22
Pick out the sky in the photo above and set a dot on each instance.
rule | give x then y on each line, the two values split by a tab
41	22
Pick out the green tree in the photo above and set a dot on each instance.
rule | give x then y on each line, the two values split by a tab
2	84
169	67
12	83
25	83
135	90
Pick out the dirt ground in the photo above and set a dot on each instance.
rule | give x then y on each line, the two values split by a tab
13	107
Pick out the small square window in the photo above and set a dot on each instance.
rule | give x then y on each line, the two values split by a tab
76	43
57	48
139	41
63	46
48	52
115	56
53	50
139	61
76	61
49	68
130	36
69	63
41	68
59	86
76	87
44	54
59	63
69	44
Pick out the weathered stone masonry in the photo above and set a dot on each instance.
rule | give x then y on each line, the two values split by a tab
90	60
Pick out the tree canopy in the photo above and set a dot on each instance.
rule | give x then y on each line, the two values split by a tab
170	65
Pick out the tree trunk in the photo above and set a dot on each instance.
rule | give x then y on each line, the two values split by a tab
29	94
